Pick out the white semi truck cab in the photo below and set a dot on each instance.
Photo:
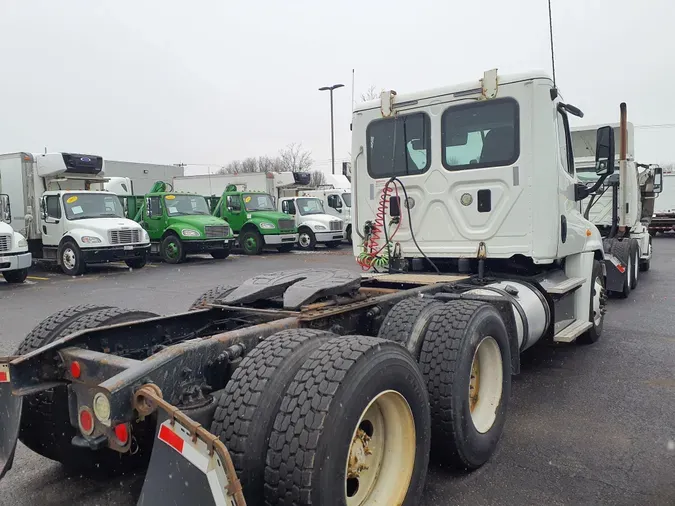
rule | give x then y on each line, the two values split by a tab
622	207
315	226
14	256
64	219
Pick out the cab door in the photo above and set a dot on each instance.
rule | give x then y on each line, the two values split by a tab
571	230
234	212
153	220
52	220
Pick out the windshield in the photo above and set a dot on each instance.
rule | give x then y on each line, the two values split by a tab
80	206
258	202
309	206
347	199
186	205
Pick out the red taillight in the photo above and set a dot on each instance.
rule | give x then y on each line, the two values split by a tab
75	370
86	421
621	268
122	433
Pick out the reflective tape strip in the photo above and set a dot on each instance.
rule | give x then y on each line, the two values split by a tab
619	266
178	438
4	373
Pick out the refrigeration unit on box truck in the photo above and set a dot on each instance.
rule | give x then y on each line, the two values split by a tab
63	218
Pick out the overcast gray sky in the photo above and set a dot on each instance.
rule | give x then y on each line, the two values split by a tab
209	81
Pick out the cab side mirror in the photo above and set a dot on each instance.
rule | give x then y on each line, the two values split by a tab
43	208
5	209
604	151
658	180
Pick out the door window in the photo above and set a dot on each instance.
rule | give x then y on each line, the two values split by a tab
233	203
566	156
334	201
53	207
155	207
288	207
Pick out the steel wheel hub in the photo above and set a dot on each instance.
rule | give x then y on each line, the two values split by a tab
304	240
381	456
68	259
485	384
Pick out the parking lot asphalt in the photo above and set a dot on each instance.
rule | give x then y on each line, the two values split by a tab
586	425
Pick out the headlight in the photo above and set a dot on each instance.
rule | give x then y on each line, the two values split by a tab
87	239
267	225
146	237
190	232
23	243
321	227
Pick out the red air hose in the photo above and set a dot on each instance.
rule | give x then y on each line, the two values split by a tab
371	246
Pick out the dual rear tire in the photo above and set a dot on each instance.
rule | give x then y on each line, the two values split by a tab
314	418
463	350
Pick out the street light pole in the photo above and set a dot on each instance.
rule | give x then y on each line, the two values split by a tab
332	131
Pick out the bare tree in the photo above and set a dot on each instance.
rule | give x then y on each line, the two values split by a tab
317	178
371	94
295	159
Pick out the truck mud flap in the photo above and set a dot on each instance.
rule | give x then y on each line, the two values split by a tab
10	420
182	472
616	273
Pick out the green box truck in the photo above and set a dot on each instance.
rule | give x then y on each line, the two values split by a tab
252	215
179	223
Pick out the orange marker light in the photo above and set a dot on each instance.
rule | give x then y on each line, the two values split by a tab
588	232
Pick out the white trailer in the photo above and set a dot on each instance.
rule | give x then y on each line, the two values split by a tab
314	225
142	175
62	218
622	207
14	256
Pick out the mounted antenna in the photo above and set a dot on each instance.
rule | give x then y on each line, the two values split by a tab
550	29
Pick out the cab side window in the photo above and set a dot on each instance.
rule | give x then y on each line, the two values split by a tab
334	201
288	207
566	157
155	206
233	203
53	207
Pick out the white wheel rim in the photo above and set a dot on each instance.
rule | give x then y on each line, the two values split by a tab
597	302
636	264
381	456
485	384
629	271
304	240
68	259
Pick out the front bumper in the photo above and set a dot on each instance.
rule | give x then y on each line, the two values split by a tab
114	253
277	239
338	235
200	246
15	262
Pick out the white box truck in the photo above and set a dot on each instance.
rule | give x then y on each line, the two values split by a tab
14	256
336	195
314	225
63	219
